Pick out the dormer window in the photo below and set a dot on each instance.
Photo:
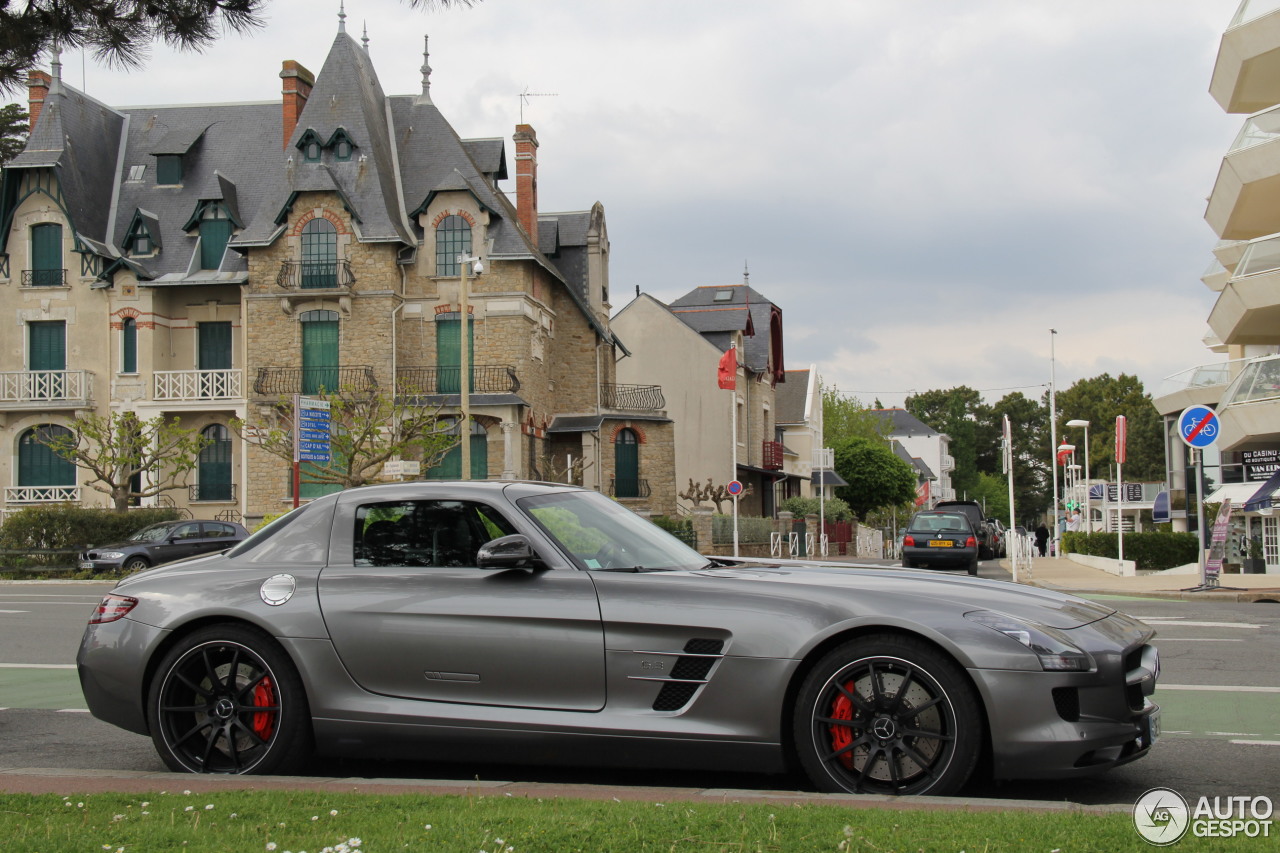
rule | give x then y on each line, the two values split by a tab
310	145
341	144
143	235
342	151
453	238
168	170
142	244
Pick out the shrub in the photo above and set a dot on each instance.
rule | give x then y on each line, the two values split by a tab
835	509
1150	551
751	531
672	525
67	527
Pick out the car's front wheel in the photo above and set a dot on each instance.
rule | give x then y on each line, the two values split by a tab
136	564
227	699
888	714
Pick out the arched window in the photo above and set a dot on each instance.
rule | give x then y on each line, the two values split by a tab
214	466
450	467
38	465
319	254
626	464
453	238
319	351
129	346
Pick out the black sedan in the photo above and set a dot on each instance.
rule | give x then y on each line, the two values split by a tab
163	543
937	539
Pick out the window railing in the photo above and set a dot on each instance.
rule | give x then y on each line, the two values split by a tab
1251	10
628	487
1259	256
645	397
44	278
24	386
315	275
211	492
41	494
198	384
485	379
312	380
771	455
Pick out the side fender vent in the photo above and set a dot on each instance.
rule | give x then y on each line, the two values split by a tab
690	670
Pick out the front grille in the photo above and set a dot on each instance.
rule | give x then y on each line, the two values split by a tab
687	674
1066	701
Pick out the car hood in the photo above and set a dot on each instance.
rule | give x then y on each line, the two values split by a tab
118	546
1045	607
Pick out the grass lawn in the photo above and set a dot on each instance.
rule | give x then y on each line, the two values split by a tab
316	822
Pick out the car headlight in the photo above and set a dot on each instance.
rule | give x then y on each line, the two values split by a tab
111	555
1056	652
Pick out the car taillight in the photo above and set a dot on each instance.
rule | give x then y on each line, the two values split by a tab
971	542
909	540
111	608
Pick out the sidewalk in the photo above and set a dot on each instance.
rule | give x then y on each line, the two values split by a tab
1063	574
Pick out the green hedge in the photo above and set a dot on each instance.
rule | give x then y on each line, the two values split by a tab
67	527
1151	551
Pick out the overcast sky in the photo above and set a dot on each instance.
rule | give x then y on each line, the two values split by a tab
925	187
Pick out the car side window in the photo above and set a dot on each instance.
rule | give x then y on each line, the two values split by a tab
187	531
424	533
216	530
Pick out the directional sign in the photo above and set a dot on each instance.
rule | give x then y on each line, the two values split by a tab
312	431
1198	426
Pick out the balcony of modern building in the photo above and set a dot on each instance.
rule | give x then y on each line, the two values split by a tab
1248	308
1201	385
1245	201
1250	407
1246	74
45	390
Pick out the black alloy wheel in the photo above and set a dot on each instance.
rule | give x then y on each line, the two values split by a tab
226	699
888	714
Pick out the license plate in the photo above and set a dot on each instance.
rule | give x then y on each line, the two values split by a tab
1152	726
85	564
940	543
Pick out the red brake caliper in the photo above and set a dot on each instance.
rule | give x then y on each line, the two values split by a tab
842	736
264	696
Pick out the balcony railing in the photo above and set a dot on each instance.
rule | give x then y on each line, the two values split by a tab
44	278
1200	376
274	381
198	384
29	386
211	492
1251	9
771	455
1259	379
41	494
315	275
948	463
485	379
642	397
628	487
1257	129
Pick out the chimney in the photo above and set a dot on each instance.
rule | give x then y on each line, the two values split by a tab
527	179
38	83
296	89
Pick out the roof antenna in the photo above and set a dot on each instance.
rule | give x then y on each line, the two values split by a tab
342	16
526	95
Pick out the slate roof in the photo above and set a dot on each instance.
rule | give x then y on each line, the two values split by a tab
901	422
790	397
922	470
745	310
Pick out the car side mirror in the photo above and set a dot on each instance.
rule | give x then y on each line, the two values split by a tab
507	552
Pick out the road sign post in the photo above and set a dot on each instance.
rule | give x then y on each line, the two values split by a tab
1198	427
312	435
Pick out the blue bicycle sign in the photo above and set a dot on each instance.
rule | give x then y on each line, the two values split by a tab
1198	426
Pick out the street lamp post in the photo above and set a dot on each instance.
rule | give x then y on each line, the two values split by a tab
464	363
1053	441
1088	517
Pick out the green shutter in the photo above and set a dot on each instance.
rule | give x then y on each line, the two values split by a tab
319	356
449	355
168	169
215	466
479	457
48	345
626	465
40	466
46	255
214	235
129	345
215	346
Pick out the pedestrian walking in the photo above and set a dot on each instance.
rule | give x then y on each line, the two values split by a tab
1042	538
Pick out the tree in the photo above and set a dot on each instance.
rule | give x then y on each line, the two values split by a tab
120	32
955	412
876	477
13	131
128	459
845	417
1099	400
369	428
1029	426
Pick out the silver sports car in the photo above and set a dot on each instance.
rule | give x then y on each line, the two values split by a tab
545	623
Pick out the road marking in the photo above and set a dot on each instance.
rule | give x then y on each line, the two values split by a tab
15	611
1180	623
1257	742
37	666
1233	734
1195	640
73	710
1224	687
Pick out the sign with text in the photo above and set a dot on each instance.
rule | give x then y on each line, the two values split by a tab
1132	493
313	430
1218	544
1259	465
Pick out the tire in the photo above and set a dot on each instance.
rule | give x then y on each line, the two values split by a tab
203	721
136	564
908	564
856	731
973	567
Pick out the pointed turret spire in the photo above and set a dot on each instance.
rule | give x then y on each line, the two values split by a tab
425	97
746	274
342	16
364	39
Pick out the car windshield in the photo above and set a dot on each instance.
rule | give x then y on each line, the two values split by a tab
598	533
154	533
939	522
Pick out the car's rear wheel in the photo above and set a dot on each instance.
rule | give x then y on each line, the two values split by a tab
887	714
908	564
227	699
136	564
973	566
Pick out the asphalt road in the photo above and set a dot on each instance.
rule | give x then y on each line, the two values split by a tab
1219	691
